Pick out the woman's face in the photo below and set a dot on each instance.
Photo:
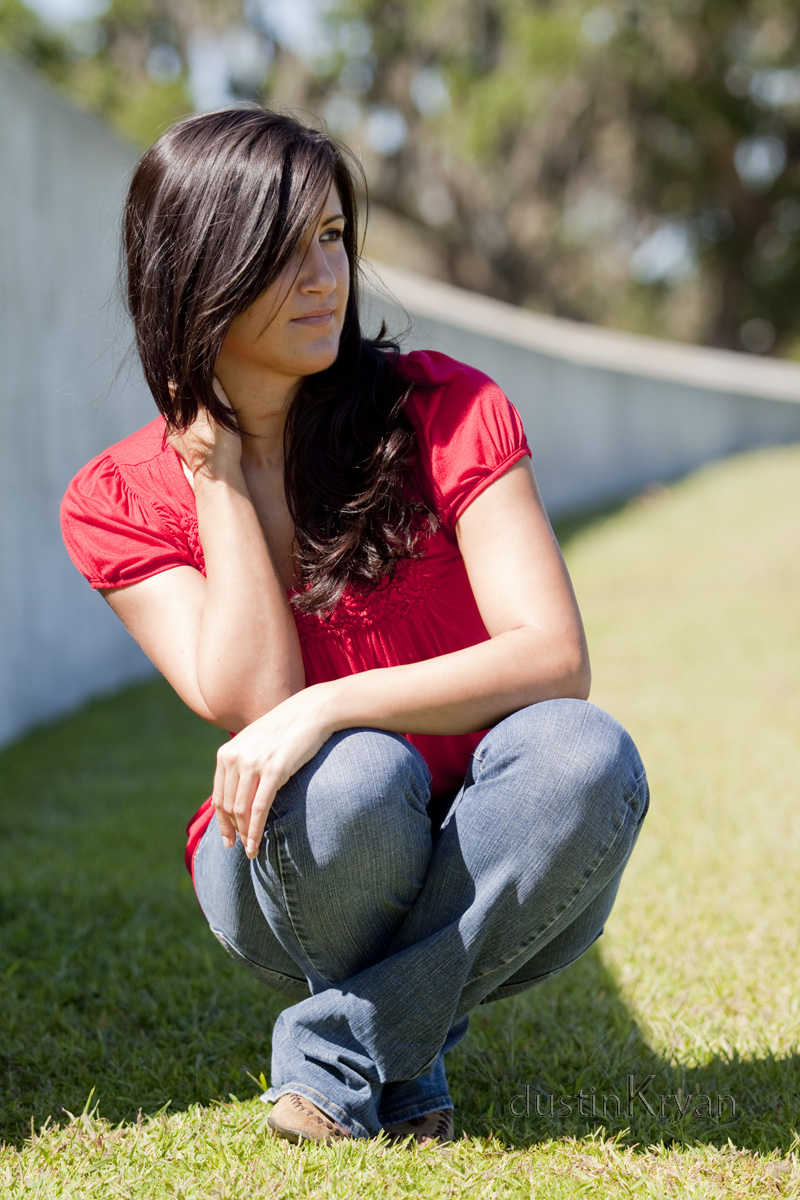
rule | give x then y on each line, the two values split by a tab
293	328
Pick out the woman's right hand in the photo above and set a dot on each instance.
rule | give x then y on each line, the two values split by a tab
254	765
207	447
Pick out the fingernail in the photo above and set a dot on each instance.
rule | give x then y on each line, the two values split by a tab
227	842
252	849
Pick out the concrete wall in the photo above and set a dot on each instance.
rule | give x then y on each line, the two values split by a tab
605	413
62	174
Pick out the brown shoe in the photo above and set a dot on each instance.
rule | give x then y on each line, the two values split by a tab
432	1129
298	1120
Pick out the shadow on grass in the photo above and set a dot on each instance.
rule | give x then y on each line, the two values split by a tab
569	1057
110	983
572	524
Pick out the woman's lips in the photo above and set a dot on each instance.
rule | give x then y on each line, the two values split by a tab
317	318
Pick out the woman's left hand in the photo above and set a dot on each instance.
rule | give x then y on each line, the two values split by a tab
252	766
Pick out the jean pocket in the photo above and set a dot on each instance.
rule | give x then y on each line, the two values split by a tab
277	981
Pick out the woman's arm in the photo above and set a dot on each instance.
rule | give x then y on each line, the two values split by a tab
228	642
537	651
537	648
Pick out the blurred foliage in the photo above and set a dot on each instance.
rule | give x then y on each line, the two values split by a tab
129	64
634	162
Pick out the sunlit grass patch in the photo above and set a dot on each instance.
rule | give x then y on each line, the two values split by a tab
112	988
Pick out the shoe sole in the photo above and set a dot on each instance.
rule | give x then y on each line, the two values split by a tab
296	1136
291	1135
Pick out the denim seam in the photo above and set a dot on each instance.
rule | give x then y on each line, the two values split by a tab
235	952
498	993
641	793
289	908
196	857
564	907
637	786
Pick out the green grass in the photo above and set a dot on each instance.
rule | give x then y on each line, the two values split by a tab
117	1005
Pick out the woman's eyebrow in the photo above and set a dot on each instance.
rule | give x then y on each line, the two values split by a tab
334	217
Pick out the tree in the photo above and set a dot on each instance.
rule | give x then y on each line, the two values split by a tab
131	63
628	162
634	163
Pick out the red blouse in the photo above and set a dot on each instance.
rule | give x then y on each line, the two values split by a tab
130	514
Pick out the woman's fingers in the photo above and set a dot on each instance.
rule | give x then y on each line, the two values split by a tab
242	805
226	780
253	766
205	445
242	798
223	797
219	782
226	827
259	811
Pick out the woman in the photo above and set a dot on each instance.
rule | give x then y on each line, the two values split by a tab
325	546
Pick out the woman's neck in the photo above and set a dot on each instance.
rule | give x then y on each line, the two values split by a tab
261	401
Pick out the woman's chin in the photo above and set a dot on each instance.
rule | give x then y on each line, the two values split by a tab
318	363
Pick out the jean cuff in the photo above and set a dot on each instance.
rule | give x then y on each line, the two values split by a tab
421	1109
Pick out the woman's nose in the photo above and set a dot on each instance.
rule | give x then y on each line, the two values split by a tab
317	274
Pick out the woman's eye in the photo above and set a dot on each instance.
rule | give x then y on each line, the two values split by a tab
333	235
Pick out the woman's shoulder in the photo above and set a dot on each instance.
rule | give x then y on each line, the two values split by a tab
141	463
438	371
129	512
450	394
467	430
137	449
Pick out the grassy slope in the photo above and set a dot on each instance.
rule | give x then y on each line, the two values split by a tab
109	980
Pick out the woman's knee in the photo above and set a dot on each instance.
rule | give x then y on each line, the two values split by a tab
347	850
364	786
568	749
564	773
600	755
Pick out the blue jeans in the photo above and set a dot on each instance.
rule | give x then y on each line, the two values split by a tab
387	930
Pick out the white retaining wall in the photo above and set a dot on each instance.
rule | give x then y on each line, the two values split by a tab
605	413
62	175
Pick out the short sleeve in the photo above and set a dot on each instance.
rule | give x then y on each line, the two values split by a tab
468	431
114	536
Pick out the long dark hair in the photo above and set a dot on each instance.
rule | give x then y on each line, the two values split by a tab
216	209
